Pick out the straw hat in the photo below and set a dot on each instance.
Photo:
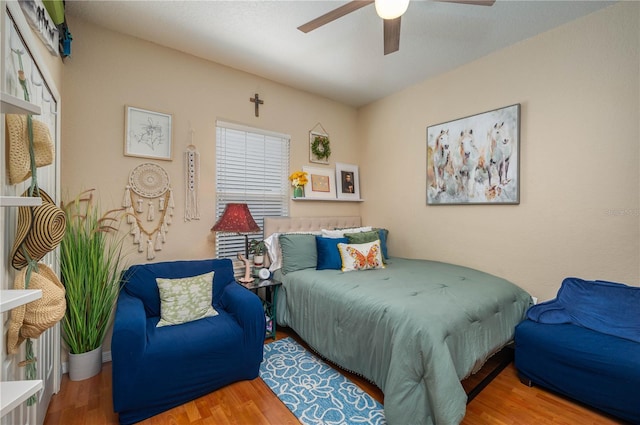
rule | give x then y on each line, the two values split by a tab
40	230
19	167
30	320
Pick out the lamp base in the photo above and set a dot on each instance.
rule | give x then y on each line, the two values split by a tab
244	280
247	270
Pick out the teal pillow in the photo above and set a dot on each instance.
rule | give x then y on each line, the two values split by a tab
364	237
298	252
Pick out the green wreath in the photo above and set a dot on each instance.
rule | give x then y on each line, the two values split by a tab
320	147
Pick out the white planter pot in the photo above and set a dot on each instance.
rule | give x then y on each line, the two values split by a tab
258	260
85	365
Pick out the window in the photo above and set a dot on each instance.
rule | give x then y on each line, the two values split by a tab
252	167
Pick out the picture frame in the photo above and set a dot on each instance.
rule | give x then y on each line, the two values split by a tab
320	184
348	181
148	134
475	160
322	146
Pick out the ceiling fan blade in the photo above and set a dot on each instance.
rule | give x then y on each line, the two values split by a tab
334	14
391	35
474	2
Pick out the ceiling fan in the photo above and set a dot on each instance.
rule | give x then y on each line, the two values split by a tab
389	10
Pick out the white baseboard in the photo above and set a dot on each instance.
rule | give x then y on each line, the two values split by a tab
106	358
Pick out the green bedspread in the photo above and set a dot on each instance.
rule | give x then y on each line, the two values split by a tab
416	329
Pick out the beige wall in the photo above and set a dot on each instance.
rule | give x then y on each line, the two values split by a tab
108	71
578	86
579	213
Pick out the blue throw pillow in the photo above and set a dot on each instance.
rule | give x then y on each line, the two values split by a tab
328	253
384	234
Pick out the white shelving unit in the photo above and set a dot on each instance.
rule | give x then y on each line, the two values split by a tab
20	201
12	298
14	393
14	105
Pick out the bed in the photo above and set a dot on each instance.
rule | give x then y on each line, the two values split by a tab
415	328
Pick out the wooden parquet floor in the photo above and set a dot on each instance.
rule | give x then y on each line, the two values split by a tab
505	401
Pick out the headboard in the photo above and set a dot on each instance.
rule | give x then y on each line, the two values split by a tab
307	224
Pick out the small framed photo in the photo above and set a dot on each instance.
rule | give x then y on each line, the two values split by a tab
348	181
148	134
320	184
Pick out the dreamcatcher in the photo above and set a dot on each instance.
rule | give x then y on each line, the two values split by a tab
149	186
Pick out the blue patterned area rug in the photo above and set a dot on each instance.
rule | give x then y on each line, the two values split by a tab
316	393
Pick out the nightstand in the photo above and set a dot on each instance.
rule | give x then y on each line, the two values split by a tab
269	302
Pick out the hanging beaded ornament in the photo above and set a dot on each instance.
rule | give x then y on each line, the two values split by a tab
192	181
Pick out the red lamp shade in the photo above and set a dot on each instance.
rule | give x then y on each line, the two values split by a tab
236	218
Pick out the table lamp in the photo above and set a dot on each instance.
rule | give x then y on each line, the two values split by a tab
237	218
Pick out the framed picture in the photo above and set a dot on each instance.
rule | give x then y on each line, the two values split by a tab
348	181
148	134
475	160
319	147
320	184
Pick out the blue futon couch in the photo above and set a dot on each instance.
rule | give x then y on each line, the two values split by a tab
585	344
158	368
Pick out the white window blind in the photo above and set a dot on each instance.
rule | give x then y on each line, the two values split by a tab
252	167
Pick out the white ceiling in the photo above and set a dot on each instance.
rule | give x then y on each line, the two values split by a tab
343	60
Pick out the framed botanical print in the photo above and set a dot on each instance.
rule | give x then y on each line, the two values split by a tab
148	134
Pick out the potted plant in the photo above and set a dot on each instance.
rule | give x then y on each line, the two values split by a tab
90	265
257	248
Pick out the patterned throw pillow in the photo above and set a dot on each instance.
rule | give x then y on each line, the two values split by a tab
186	299
361	256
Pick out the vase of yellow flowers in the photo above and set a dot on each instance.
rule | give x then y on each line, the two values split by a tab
298	180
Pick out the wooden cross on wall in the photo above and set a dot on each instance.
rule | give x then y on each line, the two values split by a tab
258	102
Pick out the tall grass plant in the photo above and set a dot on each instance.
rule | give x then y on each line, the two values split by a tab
91	264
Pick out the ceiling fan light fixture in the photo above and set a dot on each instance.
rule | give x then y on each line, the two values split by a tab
391	9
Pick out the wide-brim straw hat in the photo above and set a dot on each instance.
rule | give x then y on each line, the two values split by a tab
40	230
32	319
19	164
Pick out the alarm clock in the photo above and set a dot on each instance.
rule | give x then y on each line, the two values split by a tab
264	274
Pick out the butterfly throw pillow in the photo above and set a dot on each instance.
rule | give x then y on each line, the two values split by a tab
361	256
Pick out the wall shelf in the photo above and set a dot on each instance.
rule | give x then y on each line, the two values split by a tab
20	201
14	393
14	105
12	298
327	199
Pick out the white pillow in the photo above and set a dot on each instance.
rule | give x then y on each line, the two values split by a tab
273	251
339	233
272	243
361	256
185	299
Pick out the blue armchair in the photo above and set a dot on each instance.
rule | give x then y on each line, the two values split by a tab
158	368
